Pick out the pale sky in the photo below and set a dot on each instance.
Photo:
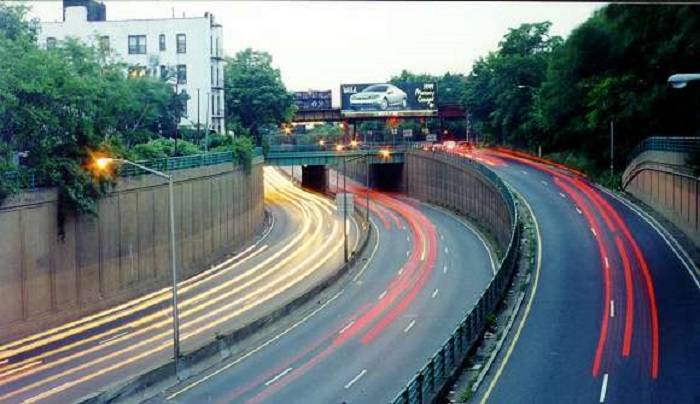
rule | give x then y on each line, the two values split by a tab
319	45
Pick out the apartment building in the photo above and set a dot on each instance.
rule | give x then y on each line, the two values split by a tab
188	50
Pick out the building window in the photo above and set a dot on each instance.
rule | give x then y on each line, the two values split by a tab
137	44
217	48
218	82
104	42
181	74
163	72
137	71
161	42
181	43
50	42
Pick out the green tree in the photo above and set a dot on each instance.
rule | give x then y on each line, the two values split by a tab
255	94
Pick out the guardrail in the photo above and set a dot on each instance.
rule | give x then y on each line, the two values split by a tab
28	179
442	367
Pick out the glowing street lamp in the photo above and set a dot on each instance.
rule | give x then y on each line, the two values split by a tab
354	143
321	142
339	147
102	164
385	153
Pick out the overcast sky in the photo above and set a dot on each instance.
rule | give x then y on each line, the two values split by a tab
318	45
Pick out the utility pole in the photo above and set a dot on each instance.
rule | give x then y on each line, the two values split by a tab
612	144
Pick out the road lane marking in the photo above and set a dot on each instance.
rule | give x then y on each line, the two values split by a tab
579	211
408	253
279	376
444	269
410	325
408	238
612	309
254	351
435	293
442	237
607	263
400	270
381	296
673	244
121	334
447	251
371	256
355	379
21	368
524	172
346	327
562	195
604	388
544	182
528	306
594	233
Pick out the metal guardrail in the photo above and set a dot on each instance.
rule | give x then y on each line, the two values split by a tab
27	179
666	143
440	369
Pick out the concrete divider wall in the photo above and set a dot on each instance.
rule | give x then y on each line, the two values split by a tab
671	191
436	178
123	252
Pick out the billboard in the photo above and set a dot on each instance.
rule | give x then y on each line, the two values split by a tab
386	99
313	100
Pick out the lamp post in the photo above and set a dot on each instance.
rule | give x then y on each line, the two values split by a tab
102	164
384	154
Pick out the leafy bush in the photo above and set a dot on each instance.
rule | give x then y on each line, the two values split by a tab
242	148
163	148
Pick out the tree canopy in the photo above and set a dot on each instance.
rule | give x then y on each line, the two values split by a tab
255	94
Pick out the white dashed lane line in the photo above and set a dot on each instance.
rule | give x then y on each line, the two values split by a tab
409	326
279	376
435	293
355	379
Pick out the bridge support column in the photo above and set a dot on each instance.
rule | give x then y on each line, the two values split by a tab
315	177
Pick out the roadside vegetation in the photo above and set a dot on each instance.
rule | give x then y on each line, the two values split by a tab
59	106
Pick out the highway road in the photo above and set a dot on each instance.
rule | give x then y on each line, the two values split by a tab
303	246
614	315
425	269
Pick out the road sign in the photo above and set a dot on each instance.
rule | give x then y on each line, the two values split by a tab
408	133
394	131
339	203
431	137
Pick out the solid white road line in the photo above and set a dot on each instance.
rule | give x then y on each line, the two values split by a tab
355	379
279	376
371	256
246	356
435	293
604	388
346	327
410	325
112	338
381	296
612	309
677	249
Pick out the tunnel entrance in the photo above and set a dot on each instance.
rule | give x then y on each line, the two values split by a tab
315	177
387	177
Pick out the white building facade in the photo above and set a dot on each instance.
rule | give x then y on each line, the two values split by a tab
189	50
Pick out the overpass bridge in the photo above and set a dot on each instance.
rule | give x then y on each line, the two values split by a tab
381	160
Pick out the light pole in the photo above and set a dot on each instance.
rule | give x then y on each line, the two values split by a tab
384	154
102	164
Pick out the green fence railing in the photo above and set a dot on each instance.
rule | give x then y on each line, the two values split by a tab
677	144
442	368
28	179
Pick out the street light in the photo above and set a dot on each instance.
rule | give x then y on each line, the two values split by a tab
102	164
345	200
339	147
681	80
385	153
354	143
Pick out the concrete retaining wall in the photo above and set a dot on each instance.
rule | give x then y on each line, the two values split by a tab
124	251
436	178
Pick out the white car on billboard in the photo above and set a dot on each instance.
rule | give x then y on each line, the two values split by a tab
379	96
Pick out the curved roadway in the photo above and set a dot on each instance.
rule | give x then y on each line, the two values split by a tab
615	313
361	346
75	360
